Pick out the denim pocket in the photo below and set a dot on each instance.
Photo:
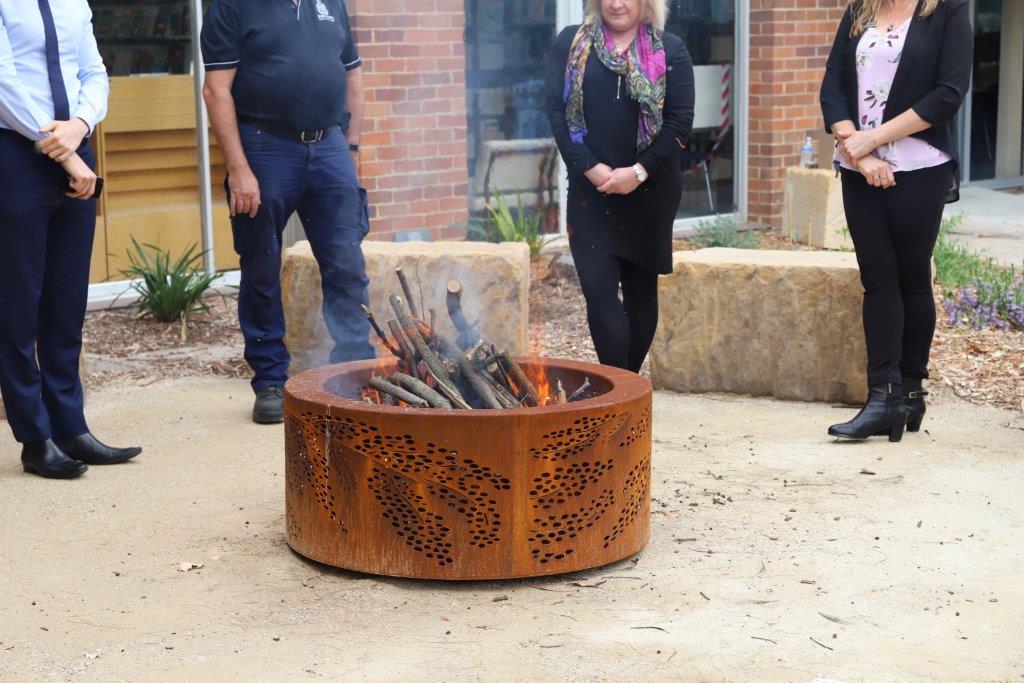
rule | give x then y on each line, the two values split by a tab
254	139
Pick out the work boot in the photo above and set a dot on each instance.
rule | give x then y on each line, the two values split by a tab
48	461
87	448
884	413
269	406
913	396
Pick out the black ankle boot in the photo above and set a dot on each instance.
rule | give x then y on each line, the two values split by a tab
913	396
50	462
884	413
87	448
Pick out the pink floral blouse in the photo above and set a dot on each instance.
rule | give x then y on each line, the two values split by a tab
878	57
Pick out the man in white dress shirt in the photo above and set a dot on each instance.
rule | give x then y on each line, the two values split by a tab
53	92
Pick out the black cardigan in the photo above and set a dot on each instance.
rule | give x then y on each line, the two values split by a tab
663	153
636	227
932	78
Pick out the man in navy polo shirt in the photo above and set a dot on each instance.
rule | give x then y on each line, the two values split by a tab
281	77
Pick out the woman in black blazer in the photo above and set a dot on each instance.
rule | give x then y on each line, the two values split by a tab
896	78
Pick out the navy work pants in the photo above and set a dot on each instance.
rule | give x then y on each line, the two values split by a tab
46	244
318	180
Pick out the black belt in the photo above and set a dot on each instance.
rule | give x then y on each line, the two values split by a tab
306	137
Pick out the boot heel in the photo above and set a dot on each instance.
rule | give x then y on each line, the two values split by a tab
896	432
914	426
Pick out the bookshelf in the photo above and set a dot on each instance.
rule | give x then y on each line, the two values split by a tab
143	37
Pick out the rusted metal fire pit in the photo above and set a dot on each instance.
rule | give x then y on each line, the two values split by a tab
481	494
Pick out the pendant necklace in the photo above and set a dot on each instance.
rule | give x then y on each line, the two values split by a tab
892	25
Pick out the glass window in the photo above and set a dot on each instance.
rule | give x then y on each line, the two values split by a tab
709	29
996	121
510	150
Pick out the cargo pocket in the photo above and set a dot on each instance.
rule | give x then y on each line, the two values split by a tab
364	212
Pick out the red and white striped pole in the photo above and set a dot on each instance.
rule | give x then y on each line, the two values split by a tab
723	129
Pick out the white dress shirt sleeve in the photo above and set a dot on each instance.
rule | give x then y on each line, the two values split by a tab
18	110
95	90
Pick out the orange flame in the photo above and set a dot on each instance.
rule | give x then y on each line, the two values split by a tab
543	385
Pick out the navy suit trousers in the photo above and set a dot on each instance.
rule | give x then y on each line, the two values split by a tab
46	242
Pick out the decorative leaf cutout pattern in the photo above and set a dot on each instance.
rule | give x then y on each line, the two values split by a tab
455	486
584	434
635	491
556	526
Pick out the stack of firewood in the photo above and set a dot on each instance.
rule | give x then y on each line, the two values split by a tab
463	374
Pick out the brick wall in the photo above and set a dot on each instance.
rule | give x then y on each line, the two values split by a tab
414	161
789	44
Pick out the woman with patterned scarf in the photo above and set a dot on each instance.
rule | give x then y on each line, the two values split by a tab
620	99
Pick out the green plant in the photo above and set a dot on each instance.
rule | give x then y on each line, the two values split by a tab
723	231
169	290
977	290
503	226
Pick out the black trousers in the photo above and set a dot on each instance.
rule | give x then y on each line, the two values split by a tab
894	232
622	329
46	244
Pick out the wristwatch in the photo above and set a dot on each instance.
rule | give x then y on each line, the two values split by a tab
641	173
353	147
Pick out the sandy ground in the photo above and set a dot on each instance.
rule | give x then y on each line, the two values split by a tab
845	562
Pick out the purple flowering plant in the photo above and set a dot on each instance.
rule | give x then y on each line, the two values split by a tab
977	291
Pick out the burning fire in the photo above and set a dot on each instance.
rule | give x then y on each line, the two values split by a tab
435	371
543	385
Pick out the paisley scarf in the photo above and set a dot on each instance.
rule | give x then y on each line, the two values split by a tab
643	66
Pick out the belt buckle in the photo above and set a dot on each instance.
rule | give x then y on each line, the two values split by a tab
318	135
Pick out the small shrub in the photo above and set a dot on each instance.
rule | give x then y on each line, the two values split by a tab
503	226
977	291
722	231
169	290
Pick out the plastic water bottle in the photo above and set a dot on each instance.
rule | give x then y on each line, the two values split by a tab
808	159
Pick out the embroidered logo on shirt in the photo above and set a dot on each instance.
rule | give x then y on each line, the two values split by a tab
322	13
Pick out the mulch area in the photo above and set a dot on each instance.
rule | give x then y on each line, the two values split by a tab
984	367
981	366
120	345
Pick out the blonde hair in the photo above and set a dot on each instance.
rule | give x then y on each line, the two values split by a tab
866	11
655	11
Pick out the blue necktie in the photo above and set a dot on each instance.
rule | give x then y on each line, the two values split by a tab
61	106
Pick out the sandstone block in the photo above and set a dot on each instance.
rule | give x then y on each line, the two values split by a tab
812	212
496	278
764	323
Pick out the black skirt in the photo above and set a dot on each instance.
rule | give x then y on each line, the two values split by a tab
636	227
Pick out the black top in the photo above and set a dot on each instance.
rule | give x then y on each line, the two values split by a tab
291	58
637	227
932	78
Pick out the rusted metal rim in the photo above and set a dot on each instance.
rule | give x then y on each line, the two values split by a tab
312	386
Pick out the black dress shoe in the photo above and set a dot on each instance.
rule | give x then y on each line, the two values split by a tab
269	406
87	448
50	462
884	413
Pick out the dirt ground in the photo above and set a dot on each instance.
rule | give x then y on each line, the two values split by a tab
775	555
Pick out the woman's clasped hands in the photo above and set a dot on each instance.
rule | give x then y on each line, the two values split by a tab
858	147
610	180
